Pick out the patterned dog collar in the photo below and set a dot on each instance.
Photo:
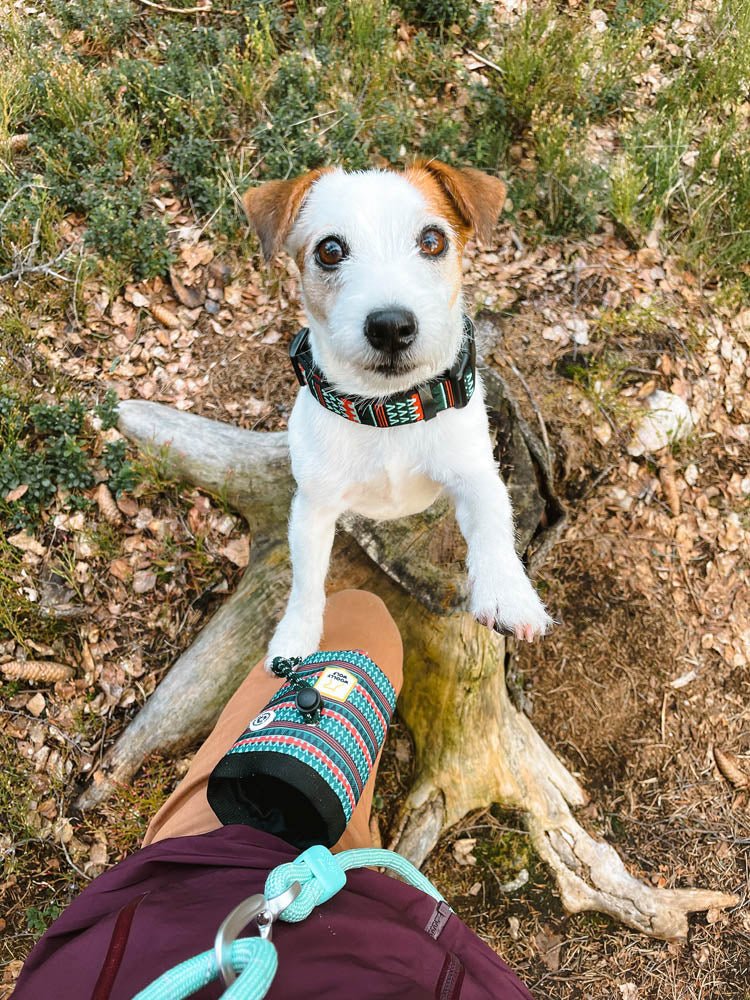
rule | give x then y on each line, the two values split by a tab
454	388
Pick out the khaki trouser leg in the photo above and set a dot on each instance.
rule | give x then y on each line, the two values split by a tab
354	619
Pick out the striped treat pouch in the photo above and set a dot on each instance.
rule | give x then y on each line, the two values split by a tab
301	765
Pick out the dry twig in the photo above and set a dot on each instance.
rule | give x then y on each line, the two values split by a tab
205	9
537	411
23	267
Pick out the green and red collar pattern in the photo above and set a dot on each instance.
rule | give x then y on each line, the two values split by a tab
453	389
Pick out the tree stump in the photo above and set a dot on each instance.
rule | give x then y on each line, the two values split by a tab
473	746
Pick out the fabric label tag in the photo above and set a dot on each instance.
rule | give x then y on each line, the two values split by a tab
440	917
336	683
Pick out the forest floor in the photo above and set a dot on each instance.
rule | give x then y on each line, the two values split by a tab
618	269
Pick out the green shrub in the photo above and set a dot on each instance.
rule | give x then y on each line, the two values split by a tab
573	187
286	140
104	24
58	420
437	13
39	919
107	410
48	448
19	467
118	229
123	476
488	129
628	182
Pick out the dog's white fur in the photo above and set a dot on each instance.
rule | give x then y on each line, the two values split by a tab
384	473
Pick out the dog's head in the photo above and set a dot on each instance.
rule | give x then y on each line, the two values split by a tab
379	253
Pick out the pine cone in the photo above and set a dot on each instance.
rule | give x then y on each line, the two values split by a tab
107	505
37	670
164	316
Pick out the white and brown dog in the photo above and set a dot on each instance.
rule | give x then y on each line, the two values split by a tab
379	254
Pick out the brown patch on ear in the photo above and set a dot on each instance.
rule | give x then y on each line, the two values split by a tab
440	202
477	197
273	207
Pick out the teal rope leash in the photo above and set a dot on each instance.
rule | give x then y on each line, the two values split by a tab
322	874
254	959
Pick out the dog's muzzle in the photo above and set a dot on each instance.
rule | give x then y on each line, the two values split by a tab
391	330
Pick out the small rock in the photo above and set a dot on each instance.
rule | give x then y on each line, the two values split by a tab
557	334
668	420
514	926
603	433
622	497
462	850
690	475
212	307
36	704
580	329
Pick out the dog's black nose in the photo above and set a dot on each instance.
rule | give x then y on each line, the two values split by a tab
391	330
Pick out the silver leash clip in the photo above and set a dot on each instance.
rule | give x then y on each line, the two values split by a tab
255	908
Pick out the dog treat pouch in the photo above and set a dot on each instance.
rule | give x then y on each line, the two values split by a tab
301	765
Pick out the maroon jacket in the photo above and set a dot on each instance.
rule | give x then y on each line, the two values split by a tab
376	939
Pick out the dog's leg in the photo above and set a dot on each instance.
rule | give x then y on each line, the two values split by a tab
311	531
501	593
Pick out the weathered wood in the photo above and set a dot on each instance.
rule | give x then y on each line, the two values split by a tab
473	747
249	470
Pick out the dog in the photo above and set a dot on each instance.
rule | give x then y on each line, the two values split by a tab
379	254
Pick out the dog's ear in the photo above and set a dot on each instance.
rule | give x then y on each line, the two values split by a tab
477	197
273	207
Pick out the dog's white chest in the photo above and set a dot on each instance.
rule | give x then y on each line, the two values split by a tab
394	491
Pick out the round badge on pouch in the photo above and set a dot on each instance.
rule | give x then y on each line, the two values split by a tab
261	721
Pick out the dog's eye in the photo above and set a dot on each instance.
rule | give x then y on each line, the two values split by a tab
330	252
432	242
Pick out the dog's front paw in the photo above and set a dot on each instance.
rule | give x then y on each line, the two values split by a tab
514	607
293	637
